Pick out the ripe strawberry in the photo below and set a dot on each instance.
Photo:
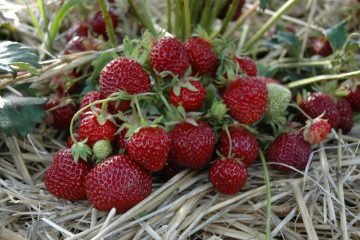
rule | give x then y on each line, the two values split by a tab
80	30
202	58
121	140
80	44
169	170
246	99
93	131
65	178
228	176
190	100
98	24
318	103
346	115
290	149
243	144
320	46
89	98
316	130
61	114
192	146
169	54
117	182
149	147
247	65
354	99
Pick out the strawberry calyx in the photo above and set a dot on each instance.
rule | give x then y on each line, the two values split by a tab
80	150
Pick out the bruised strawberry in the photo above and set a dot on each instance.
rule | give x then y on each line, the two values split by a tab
316	130
189	99
203	59
98	24
192	146
65	178
61	112
169	54
228	176
346	115
320	46
149	147
246	99
117	182
247	65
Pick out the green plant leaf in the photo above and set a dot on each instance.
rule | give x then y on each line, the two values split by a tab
337	35
19	115
264	4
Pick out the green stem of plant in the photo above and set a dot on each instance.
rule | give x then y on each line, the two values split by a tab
307	81
42	11
178	19
205	14
300	110
230	141
326	63
269	23
163	99
218	6
169	11
229	14
268	196
108	22
142	120
187	19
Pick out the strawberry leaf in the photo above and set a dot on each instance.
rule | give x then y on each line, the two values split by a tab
19	115
337	35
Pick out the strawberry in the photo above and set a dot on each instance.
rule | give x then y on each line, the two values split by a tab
121	140
320	46
246	99
202	58
192	146
243	144
346	115
65	178
117	182
70	142
80	44
316	130
318	103
93	131
290	149
228	176
61	112
97	23
169	170
169	54
149	147
189	99
89	98
354	99
80	30
247	65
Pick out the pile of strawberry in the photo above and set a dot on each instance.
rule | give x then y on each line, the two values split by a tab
168	105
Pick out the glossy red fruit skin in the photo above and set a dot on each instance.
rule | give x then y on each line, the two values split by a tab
354	99
244	145
117	182
317	103
121	140
202	58
290	149
320	46
169	54
65	178
246	99
61	116
247	65
98	24
228	176
346	115
190	100
91	129
89	98
149	147
192	146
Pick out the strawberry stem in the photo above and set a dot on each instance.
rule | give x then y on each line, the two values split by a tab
230	141
108	22
142	120
306	81
269	23
187	19
169	19
300	110
268	195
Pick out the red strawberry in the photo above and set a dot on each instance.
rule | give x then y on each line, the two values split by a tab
228	175
192	146
354	99
316	130
61	114
320	46
190	100
202	58
91	130
169	54
318	103
247	65
89	98
98	24
121	140
65	178
70	142
117	182
80	30
244	145
246	99
290	149
80	44
149	147
346	115
169	170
